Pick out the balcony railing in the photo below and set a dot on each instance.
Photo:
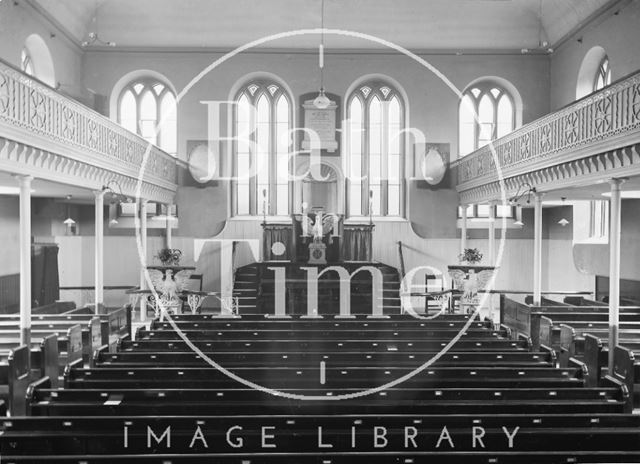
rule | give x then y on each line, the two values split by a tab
603	121
36	115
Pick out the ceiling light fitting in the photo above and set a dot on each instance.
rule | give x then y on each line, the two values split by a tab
94	39
525	189
69	221
563	222
114	195
321	101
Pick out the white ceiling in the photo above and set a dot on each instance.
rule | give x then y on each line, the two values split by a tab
415	24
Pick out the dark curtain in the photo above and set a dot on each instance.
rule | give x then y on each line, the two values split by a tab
277	234
45	283
355	245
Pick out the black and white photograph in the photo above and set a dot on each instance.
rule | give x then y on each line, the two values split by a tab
319	231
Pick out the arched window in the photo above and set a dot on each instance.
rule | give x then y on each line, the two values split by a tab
375	113
603	75
36	61
262	121
495	110
26	63
146	105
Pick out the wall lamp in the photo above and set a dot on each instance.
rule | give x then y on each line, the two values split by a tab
524	190
114	192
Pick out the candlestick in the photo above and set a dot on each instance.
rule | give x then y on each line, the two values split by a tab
305	219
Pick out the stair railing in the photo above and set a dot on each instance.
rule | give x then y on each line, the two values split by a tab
401	257
234	265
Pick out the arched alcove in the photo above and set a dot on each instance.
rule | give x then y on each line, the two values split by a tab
588	70
323	189
42	62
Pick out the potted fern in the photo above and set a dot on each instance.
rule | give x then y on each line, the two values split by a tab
470	256
169	256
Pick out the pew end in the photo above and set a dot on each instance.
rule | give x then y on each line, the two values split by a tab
78	363
625	394
567	348
553	355
583	369
593	347
50	359
31	392
623	370
19	376
527	339
97	355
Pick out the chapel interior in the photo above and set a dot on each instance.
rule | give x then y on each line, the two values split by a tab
218	219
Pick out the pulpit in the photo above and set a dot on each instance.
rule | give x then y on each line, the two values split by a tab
323	229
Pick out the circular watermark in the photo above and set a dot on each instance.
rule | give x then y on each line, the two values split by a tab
368	391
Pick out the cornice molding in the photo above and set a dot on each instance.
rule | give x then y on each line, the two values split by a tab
22	159
621	162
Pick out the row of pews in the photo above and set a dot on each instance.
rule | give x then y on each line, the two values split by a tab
578	329
56	340
323	391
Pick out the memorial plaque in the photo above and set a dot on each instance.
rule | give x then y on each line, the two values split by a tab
323	122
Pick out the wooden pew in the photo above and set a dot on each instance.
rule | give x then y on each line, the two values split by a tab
626	364
42	400
15	376
69	342
239	358
500	380
166	376
114	325
582	301
465	344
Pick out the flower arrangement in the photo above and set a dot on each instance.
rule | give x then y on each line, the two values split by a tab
169	256
470	255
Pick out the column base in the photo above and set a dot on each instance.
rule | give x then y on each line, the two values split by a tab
25	336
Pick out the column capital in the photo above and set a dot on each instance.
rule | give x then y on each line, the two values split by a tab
23	180
617	181
99	193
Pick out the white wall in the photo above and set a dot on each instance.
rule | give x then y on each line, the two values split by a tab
9	235
18	20
619	35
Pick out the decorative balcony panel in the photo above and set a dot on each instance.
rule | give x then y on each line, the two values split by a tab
34	115
605	121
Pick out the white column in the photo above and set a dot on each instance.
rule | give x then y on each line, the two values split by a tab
614	267
168	228
25	259
463	229
143	242
537	249
492	233
99	250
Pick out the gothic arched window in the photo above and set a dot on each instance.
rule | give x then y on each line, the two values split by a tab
262	123
495	111
375	114
603	75
26	63
143	105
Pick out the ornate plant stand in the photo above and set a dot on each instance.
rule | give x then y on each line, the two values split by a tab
470	279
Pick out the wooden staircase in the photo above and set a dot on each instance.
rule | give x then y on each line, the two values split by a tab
245	288
255	289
